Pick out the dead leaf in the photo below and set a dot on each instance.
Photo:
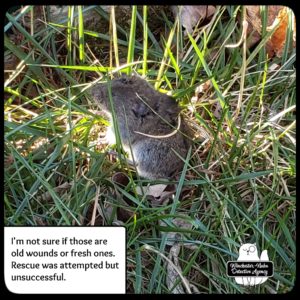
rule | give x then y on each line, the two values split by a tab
40	221
158	194
46	197
152	190
273	67
103	213
276	14
172	273
217	110
121	179
8	160
173	267
174	237
191	15
200	92
278	38
215	268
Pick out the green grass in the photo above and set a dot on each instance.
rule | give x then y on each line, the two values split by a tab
237	186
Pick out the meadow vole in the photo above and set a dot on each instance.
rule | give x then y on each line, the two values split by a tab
142	110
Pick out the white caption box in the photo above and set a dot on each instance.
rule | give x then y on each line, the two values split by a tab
62	260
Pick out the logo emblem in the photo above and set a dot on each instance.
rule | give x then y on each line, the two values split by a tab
250	269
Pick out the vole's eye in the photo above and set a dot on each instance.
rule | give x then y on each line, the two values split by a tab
140	110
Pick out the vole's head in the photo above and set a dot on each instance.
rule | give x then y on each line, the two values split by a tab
138	97
122	87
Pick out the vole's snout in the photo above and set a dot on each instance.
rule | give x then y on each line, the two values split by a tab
94	92
99	93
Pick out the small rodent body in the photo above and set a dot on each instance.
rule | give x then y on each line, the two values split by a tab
140	108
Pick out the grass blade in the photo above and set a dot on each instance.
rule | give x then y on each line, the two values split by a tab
81	35
130	56
145	39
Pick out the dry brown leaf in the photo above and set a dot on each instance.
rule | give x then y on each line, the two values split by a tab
121	179
190	15
172	274
276	14
277	41
254	17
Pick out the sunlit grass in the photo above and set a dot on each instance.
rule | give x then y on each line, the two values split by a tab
237	186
